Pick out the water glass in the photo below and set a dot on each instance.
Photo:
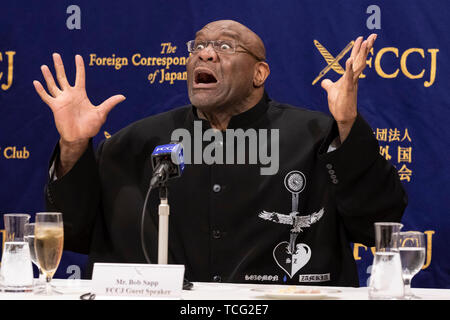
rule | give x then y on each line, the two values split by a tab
411	245
16	274
29	237
386	281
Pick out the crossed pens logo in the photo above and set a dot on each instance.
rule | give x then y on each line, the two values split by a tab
332	62
395	65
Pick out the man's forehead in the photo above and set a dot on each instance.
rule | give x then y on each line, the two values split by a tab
222	29
226	31
230	28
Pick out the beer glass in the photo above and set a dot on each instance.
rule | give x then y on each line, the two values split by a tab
49	240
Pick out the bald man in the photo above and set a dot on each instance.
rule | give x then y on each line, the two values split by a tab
232	217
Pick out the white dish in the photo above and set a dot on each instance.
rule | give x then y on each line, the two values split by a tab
299	293
296	296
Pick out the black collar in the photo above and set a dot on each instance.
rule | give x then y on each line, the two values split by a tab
241	120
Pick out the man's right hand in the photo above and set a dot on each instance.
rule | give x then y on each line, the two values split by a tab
76	118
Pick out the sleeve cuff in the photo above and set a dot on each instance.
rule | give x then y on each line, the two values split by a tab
356	154
70	177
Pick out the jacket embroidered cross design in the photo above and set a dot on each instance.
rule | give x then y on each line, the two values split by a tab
294	257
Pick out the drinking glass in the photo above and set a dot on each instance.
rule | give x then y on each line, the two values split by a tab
16	274
386	280
29	237
411	245
49	240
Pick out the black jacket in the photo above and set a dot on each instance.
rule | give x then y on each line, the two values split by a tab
227	221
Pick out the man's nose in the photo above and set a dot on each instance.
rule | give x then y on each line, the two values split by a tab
208	54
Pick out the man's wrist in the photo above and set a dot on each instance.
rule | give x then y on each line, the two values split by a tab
344	128
70	152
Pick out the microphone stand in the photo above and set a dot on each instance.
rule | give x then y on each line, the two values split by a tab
163	232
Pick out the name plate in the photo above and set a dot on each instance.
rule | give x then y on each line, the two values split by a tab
138	280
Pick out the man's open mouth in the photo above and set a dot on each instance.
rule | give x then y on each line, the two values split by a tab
204	78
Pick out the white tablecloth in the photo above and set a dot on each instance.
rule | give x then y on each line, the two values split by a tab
218	291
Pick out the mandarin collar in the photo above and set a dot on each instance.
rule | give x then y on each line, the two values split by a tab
244	119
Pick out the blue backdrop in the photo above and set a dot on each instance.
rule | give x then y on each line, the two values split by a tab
404	94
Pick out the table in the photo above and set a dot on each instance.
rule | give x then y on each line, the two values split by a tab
216	291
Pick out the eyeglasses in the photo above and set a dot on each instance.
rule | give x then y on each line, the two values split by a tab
222	46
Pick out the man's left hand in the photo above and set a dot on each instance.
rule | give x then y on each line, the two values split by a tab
342	94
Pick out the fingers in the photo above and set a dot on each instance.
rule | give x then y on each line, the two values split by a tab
360	57
372	38
81	75
356	47
60	73
326	84
349	74
51	85
361	46
42	93
110	103
371	41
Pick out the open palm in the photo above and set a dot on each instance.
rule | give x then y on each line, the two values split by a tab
76	118
342	94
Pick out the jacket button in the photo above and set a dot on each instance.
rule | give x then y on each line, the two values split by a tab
216	234
335	181
217	278
49	196
329	166
217	188
331	171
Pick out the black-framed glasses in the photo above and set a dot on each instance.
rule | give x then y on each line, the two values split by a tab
222	46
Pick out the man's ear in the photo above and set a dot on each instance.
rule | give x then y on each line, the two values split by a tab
262	71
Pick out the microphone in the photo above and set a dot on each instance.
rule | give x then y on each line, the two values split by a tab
167	162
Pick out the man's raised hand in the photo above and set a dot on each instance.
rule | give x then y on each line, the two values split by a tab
76	118
342	94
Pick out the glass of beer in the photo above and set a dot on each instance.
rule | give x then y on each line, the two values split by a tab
49	240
